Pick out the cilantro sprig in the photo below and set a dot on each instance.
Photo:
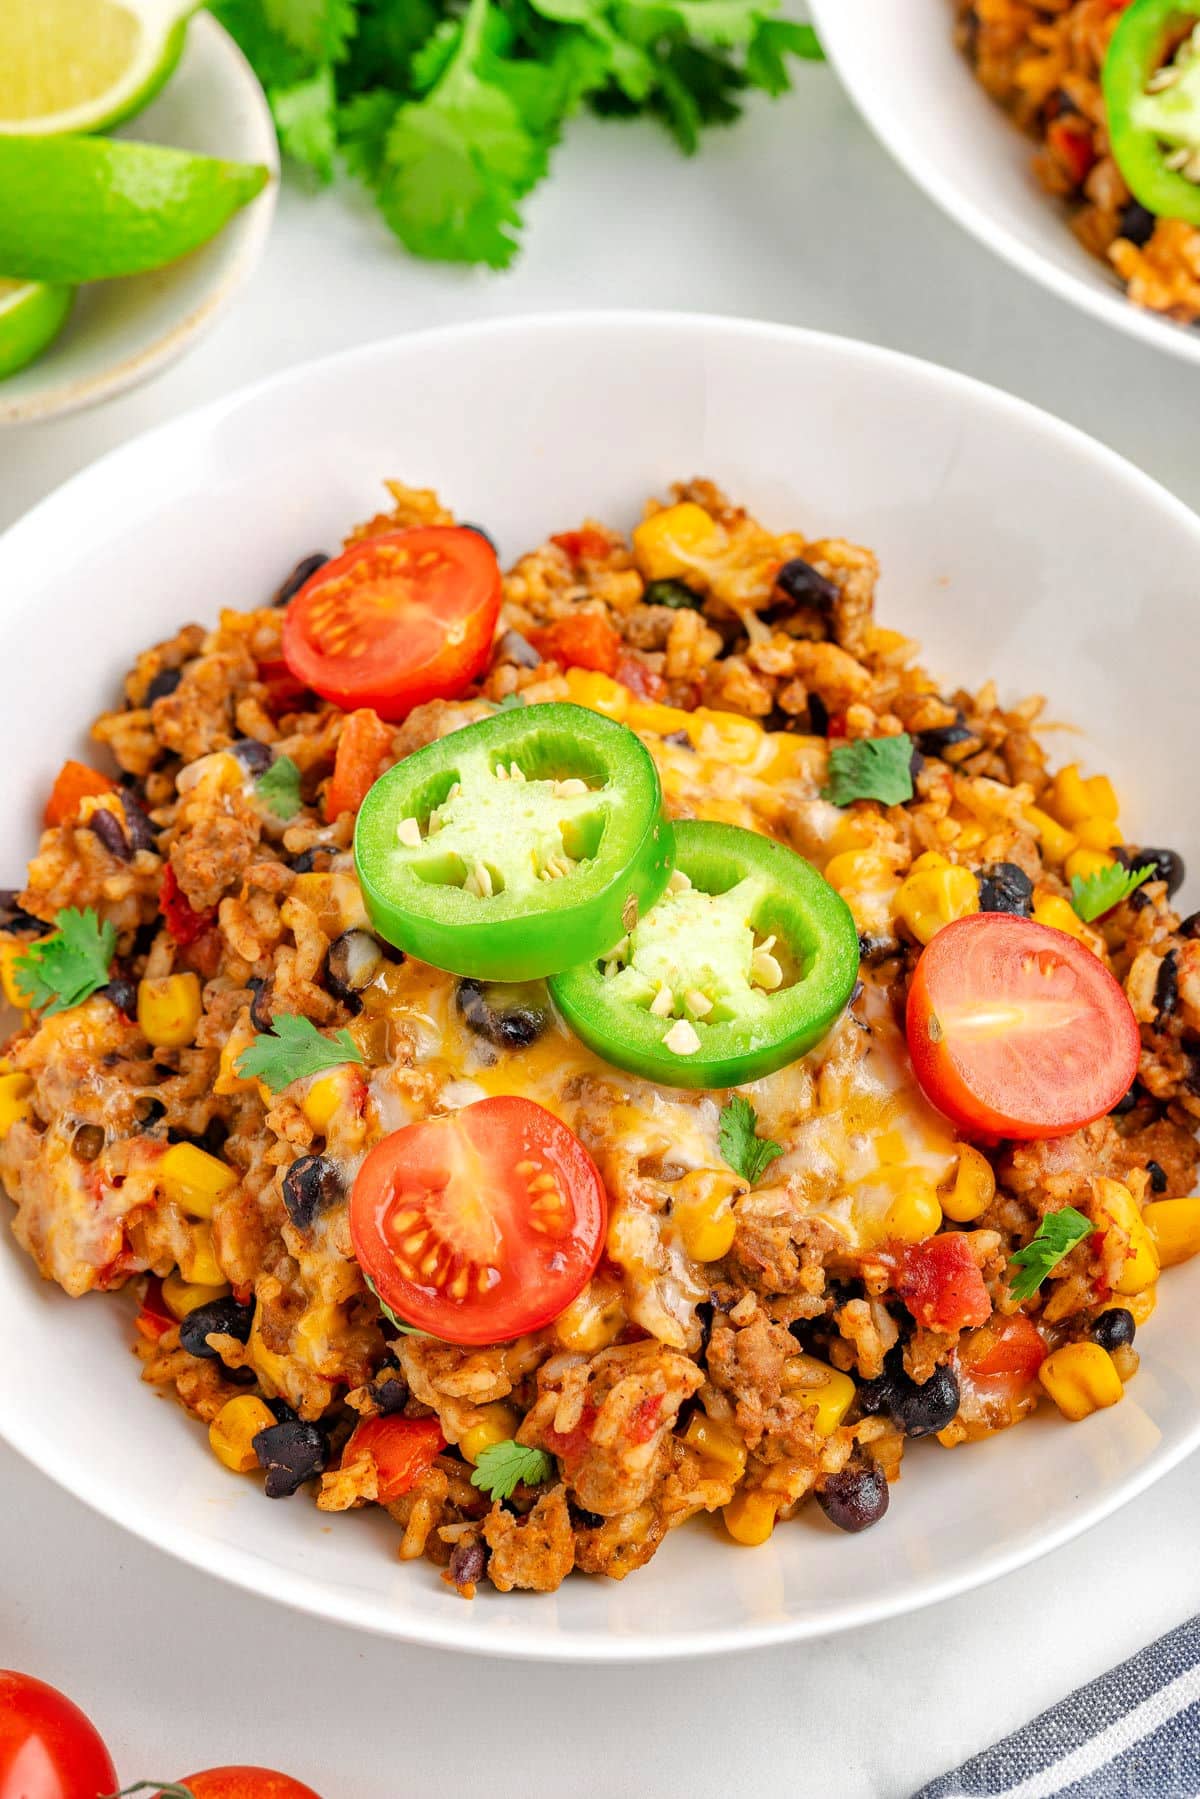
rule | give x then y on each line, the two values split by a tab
67	968
747	1154
1056	1237
502	1468
871	768
449	111
278	787
1093	895
293	1050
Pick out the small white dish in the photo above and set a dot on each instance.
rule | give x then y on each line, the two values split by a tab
120	333
1011	545
901	67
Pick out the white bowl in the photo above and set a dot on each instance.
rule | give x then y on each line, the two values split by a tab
1013	546
120	333
915	90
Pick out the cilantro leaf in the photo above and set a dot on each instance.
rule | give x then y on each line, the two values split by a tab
406	1330
747	1154
320	29
1093	895
502	1468
774	40
67	968
278	787
292	1050
306	120
1056	1237
872	768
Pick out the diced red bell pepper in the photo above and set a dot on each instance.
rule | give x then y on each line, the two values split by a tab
581	640
939	1282
401	1449
364	742
183	921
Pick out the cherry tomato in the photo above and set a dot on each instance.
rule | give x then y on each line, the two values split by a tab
398	620
479	1226
48	1748
364	742
1005	1348
74	783
1016	1030
582	640
238	1783
184	923
401	1449
939	1282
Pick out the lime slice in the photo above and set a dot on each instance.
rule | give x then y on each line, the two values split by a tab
87	208
83	65
31	313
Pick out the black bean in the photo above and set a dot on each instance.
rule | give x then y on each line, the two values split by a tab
391	1395
1126	1104
675	594
284	1413
818	715
1190	928
220	1317
587	1520
941	738
877	1396
310	1186
704	1315
1166	987
1059	105
467	1563
141	832
299	575
916	762
15	917
123	995
87	1142
1003	887
291	1453
1167	865
801	582
1137	224
108	828
855	1498
479	532
307	860
511	1017
1114	1329
261	1015
353	961
1158	1177
149	1112
872	950
255	757
919	1410
165	682
517	650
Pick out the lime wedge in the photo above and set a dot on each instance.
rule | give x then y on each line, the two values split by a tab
83	65
31	313
87	208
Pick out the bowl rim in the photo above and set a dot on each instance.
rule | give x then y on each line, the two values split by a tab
1110	307
536	1642
62	398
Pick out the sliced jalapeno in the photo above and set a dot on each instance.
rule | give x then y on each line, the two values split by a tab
1152	99
743	966
517	846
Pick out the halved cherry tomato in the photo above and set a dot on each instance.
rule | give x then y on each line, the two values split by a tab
401	1449
237	1783
364	742
74	783
581	640
1017	1030
1007	1347
398	620
184	923
479	1226
48	1748
941	1285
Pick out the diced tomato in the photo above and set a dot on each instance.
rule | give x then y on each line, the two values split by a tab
587	543
183	921
401	1449
633	673
284	691
644	1422
203	956
1071	145
1006	1346
153	1320
362	746
572	1445
835	730
582	640
941	1285
74	783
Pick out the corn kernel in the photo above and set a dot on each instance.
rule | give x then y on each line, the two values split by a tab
1084	863
1099	833
855	869
702	1211
235	1045
915	1214
321	1103
1140	1306
313	1336
592	1321
268	1364
169	1010
974	1187
194	1179
1059	915
1056	841
10	954
232	1432
499	1424
1081	1379
827	1389
198	1264
1072	798
934	894
1175	1226
750	1517
599	693
1114	1202
666	544
16	1100
182	1297
717	1442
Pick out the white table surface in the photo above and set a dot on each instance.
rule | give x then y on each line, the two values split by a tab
795	215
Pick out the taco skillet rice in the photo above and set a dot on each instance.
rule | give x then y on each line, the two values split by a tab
559	1155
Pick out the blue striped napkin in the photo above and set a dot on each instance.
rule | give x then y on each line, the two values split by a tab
1132	1734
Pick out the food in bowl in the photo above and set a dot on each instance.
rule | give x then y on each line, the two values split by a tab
1111	91
561	1052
